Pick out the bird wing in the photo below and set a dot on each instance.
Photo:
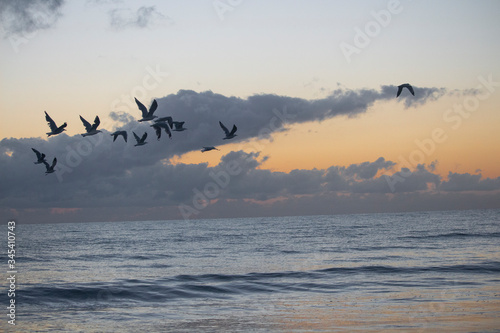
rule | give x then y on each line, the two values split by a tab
114	135
97	121
233	130
124	135
87	125
158	130
224	128
47	166
400	89
38	155
142	108
52	124
410	88
152	108
54	162
167	129
144	137
170	121
136	137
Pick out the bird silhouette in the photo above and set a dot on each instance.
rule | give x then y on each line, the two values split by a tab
159	126
407	86
117	133
54	129
165	119
91	129
229	135
40	157
178	126
50	168
208	148
147	115
141	141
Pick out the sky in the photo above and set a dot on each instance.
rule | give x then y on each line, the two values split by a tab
311	86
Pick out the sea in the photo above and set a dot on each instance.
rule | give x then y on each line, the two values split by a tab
398	272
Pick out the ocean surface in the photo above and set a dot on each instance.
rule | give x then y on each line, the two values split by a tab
401	272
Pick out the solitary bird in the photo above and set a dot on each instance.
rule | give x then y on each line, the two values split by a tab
405	85
40	157
159	126
117	133
91	129
141	141
50	168
208	149
229	135
147	115
178	126
54	129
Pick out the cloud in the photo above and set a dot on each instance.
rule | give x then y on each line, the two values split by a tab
112	179
258	116
143	17
368	170
29	16
468	182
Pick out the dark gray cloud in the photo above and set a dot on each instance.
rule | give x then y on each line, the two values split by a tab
469	182
96	175
143	17
28	16
257	116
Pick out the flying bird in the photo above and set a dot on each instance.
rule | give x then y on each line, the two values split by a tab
147	115
178	126
165	119
407	86
54	129
91	129
117	133
50	168
208	149
40	157
159	126
229	135
141	141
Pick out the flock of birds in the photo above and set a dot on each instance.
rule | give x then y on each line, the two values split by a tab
166	124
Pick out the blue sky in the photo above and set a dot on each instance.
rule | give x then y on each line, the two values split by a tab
90	58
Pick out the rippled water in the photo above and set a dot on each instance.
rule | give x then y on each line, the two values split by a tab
413	272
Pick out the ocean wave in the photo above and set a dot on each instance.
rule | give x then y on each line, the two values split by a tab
333	279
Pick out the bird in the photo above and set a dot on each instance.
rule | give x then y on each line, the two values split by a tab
54	129
178	126
117	133
229	135
405	85
159	126
91	129
40	157
141	141
208	149
165	119
50	168
147	115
